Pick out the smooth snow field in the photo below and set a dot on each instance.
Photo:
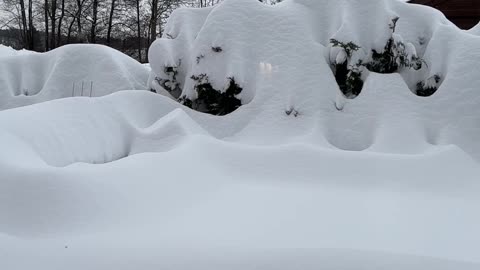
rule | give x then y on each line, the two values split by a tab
299	177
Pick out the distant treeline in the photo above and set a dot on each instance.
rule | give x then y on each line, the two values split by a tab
127	25
128	45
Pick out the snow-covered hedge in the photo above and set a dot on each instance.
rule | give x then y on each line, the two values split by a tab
203	49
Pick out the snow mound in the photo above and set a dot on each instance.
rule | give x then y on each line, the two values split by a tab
9	51
72	70
91	131
205	51
283	61
475	30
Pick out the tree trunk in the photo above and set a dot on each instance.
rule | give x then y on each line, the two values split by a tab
110	22
47	47
31	45
93	29
79	21
139	33
59	32
70	27
24	24
53	18
153	21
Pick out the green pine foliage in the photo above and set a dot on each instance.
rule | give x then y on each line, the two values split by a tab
393	57
348	77
425	89
171	83
212	101
349	47
354	81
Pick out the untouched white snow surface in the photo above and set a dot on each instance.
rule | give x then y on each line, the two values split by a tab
134	180
28	78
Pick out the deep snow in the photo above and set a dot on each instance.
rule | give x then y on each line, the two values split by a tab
70	71
134	180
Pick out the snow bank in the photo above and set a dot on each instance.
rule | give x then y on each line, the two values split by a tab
134	179
9	51
133	170
283	61
475	30
72	70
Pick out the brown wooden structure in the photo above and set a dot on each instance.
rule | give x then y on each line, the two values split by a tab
464	13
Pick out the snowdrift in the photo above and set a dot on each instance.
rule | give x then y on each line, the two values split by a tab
69	71
283	62
300	174
475	30
9	51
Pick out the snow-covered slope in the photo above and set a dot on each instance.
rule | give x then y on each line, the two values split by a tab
298	177
28	78
9	51
475	30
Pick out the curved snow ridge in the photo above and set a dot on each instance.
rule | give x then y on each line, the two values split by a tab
6	51
166	134
176	149
102	130
474	30
68	71
245	259
94	131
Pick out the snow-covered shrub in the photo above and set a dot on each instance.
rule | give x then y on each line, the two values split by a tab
396	54
170	82
349	71
354	81
213	101
347	75
429	86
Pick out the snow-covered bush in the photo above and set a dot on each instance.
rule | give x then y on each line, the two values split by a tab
395	55
347	75
350	71
429	86
170	81
213	101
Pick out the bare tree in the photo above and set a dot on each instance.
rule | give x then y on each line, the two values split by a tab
47	39
24	23
93	29
139	32
31	29
127	25
53	19
59	31
110	21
